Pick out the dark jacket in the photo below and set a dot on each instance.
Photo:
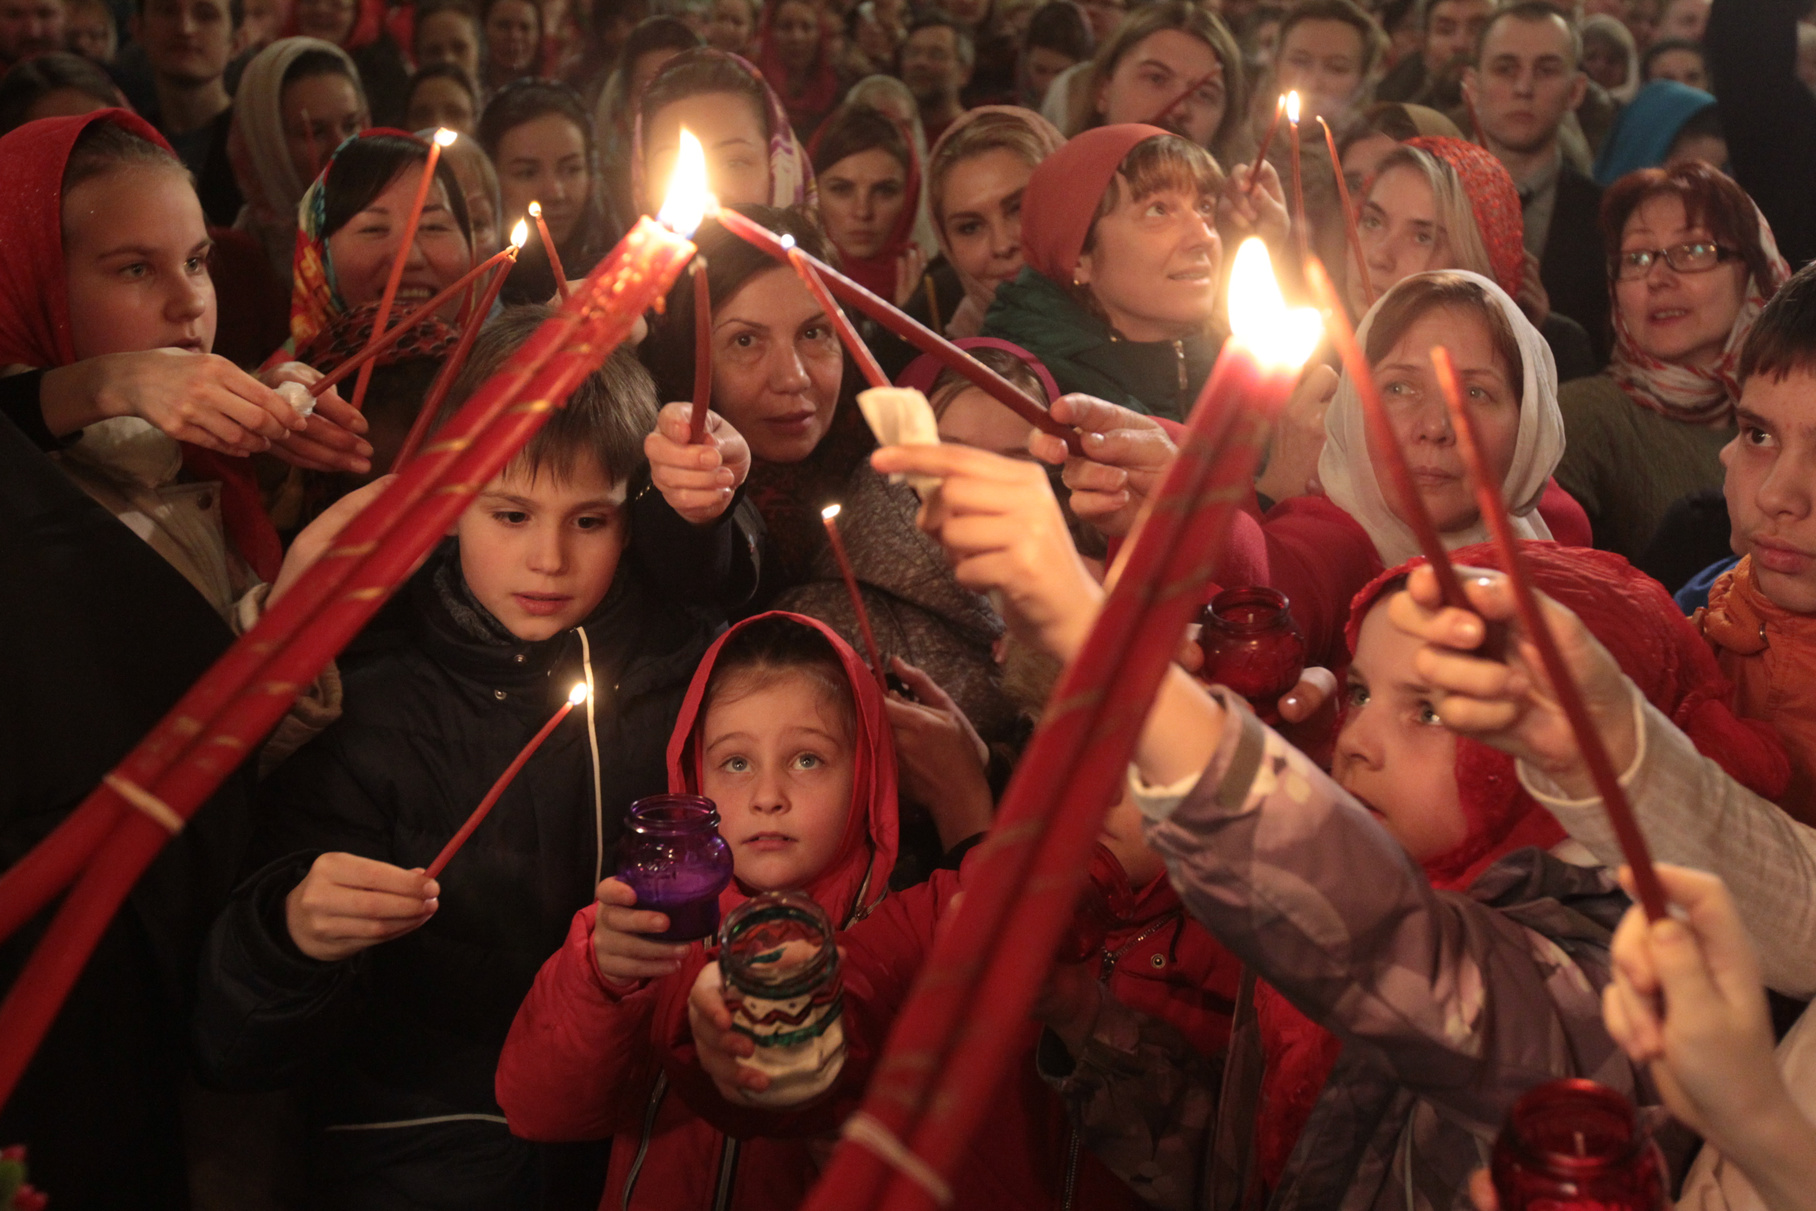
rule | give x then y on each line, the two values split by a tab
101	636
1160	378
411	1030
1574	269
1767	115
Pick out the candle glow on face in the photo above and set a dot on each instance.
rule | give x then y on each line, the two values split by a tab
1280	337
1292	107
689	199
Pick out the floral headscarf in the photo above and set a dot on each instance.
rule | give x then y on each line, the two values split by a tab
1697	395
791	180
1493	199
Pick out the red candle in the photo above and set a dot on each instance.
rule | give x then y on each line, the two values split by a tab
442	138
951	1044
910	330
829	517
1160	115
444	380
1532	618
1350	234
703	352
397	332
1267	141
510	772
1406	494
848	335
1298	214
548	246
106	843
1475	123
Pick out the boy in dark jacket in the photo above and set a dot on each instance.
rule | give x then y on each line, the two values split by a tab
339	967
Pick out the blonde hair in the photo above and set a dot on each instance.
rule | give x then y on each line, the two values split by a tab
1456	218
984	133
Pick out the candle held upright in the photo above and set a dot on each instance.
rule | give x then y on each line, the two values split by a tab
549	250
443	138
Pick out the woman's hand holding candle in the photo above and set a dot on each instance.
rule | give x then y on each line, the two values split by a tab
1298	442
1003	532
1126	454
1509	704
940	757
621	952
1260	211
698	479
333	434
346	904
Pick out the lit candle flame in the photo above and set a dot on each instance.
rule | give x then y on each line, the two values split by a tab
535	210
578	694
520	234
1292	107
829	512
445	137
1280	337
689	198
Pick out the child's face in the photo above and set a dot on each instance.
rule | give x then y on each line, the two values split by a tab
776	758
135	250
540	552
1770	484
364	249
1393	754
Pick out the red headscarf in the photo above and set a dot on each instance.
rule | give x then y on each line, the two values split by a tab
924	371
877	273
1635	619
818	96
34	283
1061	200
1495	201
859	876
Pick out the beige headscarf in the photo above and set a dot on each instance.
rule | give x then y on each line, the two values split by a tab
1348	473
259	153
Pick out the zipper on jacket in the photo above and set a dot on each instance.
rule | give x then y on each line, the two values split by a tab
1179	361
1070	1189
649	1130
728	1172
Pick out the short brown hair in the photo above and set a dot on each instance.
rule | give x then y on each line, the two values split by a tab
1407	302
1183	16
1783	338
1374	41
1710	200
607	416
1157	163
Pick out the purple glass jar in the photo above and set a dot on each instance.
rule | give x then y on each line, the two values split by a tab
1577	1144
1251	646
676	862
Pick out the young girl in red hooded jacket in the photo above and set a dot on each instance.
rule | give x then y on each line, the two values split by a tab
782	722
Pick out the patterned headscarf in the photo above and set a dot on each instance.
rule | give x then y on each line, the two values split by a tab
1493	199
791	180
1697	395
819	93
259	151
351	331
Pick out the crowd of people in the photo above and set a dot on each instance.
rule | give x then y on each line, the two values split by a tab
1341	943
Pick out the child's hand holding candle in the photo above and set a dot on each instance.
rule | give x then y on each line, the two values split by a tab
1510	705
622	950
698	477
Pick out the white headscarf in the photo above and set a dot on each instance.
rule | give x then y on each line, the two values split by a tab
260	153
1348	474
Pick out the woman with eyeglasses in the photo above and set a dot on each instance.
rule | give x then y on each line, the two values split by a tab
1692	263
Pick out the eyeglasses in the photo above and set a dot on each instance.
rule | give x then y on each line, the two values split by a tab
1696	256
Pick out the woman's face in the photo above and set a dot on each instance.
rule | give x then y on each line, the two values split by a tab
135	252
1323	60
1393	752
329	20
511	31
1605	62
439	101
796	35
363	250
1681	318
646	67
730	131
544	160
776	366
319	113
448	36
1153	267
1362	158
980	208
731	25
1041	65
1421	422
861	198
1400	233
1149	79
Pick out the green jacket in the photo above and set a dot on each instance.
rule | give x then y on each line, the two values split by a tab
1160	378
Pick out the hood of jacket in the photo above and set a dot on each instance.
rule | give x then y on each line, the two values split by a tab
858	877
